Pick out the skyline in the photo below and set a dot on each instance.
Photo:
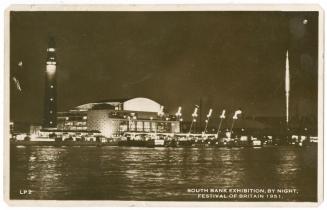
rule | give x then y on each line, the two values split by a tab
174	58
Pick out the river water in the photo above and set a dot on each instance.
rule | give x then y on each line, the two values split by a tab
161	174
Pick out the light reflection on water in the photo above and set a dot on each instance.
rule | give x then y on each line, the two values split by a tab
132	173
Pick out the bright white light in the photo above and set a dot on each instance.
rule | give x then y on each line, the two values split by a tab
141	105
50	122
85	117
51	99
51	63
228	134
51	69
17	84
238	112
209	114
51	86
51	49
222	116
195	113
179	112
161	112
287	74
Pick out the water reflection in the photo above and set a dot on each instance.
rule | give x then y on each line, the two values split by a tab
128	173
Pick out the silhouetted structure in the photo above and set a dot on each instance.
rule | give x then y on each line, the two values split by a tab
50	99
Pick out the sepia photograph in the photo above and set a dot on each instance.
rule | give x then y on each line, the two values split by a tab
182	104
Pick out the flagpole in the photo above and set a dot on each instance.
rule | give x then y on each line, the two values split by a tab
222	117
194	116
235	117
207	120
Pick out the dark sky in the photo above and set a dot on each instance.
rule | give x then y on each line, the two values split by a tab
228	59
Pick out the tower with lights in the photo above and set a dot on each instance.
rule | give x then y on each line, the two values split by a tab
50	97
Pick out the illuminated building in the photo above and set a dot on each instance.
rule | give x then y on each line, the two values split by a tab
114	117
50	99
72	120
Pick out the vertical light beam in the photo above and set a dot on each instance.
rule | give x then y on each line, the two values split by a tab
287	87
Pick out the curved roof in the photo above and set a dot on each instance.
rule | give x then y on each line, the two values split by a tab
141	105
135	104
121	100
113	102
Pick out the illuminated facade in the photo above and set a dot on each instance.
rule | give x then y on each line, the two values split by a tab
72	120
114	117
50	99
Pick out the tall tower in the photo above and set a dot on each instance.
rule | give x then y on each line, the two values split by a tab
50	97
287	87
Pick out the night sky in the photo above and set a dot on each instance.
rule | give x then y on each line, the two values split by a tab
226	59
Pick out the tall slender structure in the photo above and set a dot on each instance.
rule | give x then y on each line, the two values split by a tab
50	97
207	121
287	87
194	116
222	117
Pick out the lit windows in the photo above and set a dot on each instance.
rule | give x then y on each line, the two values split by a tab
51	67
147	126
139	126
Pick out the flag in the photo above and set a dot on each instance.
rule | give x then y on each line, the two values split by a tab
17	83
236	114
209	114
179	111
16	76
195	113
161	112
222	116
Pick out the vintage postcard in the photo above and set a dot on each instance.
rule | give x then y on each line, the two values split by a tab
141	105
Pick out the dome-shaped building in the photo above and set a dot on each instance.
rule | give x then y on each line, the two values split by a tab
114	117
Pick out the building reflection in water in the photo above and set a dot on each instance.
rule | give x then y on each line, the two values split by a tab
131	173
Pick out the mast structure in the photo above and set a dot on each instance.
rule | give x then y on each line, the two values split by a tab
222	117
207	121
235	117
194	116
287	88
